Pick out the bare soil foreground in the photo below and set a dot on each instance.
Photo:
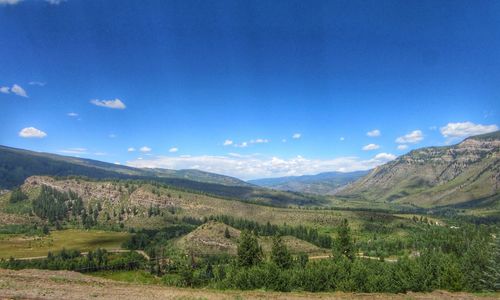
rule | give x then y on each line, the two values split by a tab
42	284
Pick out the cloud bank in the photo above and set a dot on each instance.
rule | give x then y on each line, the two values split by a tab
465	129
259	166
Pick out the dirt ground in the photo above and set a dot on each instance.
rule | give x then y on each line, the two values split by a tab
42	284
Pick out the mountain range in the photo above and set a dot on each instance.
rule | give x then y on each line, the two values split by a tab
461	175
326	183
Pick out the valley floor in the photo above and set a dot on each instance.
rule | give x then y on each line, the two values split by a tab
42	284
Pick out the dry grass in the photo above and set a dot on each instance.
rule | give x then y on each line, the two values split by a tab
83	240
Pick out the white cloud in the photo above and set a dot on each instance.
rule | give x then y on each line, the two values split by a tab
117	163
464	129
114	104
18	90
342	138
5	90
173	149
32	132
55	2
370	147
296	136
145	149
373	133
11	2
259	141
72	114
131	149
259	166
38	83
77	151
228	142
411	138
402	147
241	145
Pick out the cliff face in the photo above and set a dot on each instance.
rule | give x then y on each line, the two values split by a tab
437	176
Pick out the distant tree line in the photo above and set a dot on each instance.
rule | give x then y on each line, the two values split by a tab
73	260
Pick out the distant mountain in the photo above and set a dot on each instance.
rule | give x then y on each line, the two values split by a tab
322	183
17	164
463	175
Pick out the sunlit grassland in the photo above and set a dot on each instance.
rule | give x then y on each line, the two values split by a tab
133	276
31	246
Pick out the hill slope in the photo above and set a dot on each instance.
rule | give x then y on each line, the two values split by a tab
16	165
209	239
322	183
464	174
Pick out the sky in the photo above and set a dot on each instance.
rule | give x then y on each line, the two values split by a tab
250	89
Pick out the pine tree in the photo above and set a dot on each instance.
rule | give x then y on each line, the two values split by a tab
491	275
280	254
249	251
344	242
227	235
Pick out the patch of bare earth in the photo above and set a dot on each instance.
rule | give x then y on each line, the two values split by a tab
43	284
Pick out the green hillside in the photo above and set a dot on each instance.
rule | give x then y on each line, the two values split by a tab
465	174
16	165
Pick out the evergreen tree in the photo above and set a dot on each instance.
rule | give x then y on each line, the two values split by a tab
280	254
249	251
226	233
491	275
17	195
344	244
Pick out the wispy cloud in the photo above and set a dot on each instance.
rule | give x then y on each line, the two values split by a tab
373	133
145	149
5	90
411	138
296	136
402	147
112	135
9	2
241	145
72	114
465	129
342	139
173	149
37	83
55	2
32	132
370	147
131	149
75	151
259	166
113	104
228	142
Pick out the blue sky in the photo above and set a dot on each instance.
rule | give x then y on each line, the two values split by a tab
179	79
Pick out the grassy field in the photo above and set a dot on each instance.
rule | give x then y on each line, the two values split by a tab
136	276
30	246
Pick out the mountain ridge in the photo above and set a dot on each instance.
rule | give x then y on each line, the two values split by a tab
325	183
436	176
